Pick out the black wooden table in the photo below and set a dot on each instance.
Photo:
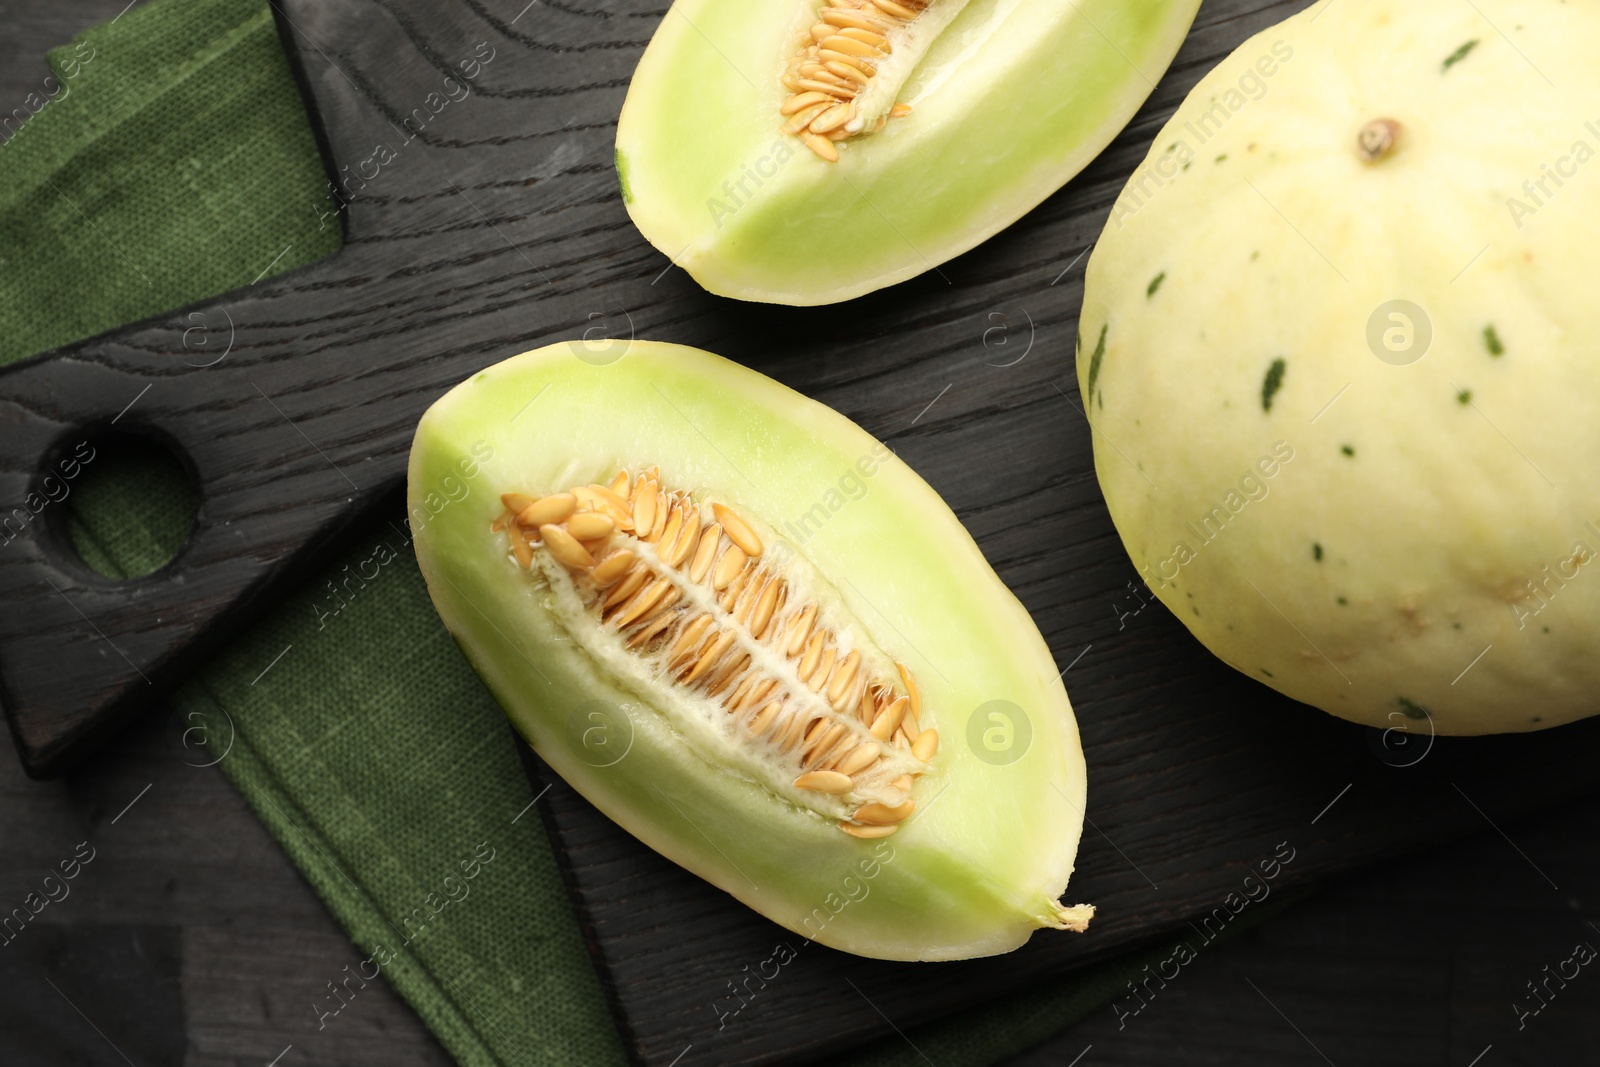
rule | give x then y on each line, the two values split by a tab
191	939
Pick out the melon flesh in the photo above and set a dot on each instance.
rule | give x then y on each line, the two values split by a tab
987	855
1009	101
1347	409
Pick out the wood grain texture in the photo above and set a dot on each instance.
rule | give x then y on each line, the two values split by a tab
1188	795
1419	962
190	938
1414	962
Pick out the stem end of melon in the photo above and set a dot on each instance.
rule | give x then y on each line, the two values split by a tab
1073	917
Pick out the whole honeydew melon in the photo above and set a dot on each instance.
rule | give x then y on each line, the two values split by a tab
1007	99
1339	350
759	642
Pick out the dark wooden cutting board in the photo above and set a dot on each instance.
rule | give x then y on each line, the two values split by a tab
497	228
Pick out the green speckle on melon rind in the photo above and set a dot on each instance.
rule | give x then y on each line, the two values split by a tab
1412	709
1272	383
1099	354
1458	55
1491	341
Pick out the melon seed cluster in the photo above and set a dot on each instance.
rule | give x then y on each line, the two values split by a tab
695	599
835	63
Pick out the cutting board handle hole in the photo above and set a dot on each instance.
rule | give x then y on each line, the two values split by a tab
119	503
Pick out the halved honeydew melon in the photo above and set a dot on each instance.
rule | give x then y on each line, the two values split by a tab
681	578
979	110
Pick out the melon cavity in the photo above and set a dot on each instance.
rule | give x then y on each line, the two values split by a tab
753	660
852	63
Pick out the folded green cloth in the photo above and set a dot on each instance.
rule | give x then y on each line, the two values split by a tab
174	162
171	161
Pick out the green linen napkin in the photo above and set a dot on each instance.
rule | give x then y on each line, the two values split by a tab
172	163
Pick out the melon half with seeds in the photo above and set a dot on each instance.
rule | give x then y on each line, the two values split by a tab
809	151
754	638
1341	352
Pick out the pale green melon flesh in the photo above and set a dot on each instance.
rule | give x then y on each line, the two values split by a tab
1012	99
981	864
1424	547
